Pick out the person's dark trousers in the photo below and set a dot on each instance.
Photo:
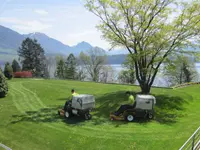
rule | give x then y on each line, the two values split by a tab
67	104
122	109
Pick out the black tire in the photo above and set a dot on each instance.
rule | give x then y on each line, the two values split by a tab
150	116
87	116
130	118
67	114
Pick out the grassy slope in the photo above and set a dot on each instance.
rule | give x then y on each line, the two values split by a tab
29	120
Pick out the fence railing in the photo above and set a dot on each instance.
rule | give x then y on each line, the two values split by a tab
193	143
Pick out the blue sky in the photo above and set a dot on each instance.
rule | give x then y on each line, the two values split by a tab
65	20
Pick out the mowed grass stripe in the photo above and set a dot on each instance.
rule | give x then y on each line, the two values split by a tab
16	102
24	100
34	95
28	98
31	97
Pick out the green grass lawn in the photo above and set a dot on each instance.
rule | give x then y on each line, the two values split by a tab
29	120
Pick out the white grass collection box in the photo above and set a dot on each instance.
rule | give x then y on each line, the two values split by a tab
83	101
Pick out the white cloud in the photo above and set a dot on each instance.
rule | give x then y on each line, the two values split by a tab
32	26
84	33
26	25
47	19
9	20
92	36
41	12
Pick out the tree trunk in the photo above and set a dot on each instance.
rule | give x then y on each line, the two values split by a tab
145	88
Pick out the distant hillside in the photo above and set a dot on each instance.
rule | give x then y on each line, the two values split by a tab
10	39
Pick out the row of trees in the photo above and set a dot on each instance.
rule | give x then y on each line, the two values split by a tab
10	69
177	70
91	62
32	58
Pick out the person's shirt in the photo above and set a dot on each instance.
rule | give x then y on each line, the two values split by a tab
74	94
131	99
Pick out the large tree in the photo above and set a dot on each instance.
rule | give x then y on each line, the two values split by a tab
149	29
15	65
106	74
81	73
70	67
32	57
60	69
93	61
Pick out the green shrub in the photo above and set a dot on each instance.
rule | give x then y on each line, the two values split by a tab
3	85
8	71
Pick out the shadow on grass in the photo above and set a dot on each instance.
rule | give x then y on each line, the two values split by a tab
42	115
167	110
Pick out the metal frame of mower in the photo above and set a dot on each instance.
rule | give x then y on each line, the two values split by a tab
68	113
131	114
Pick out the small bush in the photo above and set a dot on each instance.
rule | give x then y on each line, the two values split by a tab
23	74
8	71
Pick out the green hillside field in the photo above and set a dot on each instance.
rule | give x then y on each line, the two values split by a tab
29	118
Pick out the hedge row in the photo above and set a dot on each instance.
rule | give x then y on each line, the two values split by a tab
185	84
23	74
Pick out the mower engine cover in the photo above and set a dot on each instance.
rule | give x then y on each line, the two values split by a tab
83	101
145	102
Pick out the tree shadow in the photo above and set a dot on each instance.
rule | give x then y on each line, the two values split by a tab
167	110
46	115
110	102
42	115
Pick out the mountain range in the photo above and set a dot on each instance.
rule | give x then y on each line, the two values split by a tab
11	40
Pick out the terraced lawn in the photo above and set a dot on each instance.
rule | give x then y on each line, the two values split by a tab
29	118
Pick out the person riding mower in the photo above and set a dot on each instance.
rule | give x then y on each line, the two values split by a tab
80	105
126	106
69	101
143	108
